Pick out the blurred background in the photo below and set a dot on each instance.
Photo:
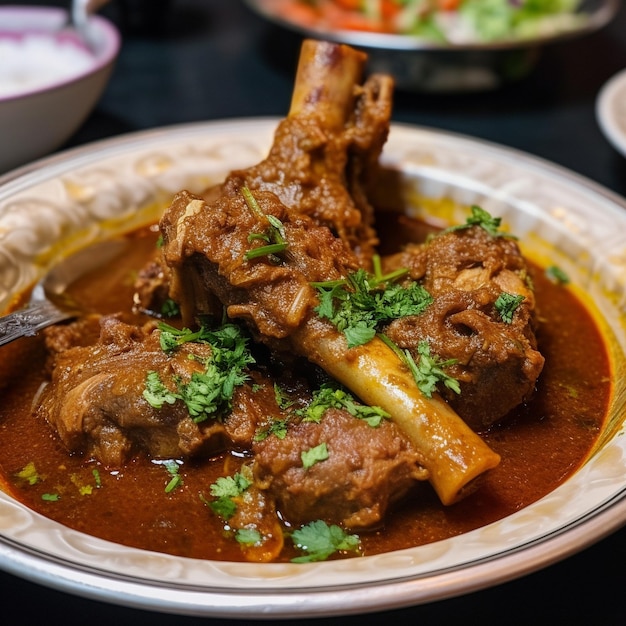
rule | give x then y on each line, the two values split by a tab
191	60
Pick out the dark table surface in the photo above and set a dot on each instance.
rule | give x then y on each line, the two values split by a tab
215	59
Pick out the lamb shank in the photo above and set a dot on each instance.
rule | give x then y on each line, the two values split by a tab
215	250
260	249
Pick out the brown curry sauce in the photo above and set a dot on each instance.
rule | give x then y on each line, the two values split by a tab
541	443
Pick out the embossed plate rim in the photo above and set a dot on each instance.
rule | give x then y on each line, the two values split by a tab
535	196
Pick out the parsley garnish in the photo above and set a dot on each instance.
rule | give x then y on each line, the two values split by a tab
314	455
507	304
361	303
319	541
330	395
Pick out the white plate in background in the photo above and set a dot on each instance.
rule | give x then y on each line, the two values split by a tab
611	111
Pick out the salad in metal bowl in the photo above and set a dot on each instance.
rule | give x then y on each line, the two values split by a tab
443	21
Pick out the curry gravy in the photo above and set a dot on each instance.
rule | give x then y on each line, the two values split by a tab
541	444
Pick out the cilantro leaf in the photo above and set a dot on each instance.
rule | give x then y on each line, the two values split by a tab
427	371
273	236
209	392
314	455
230	486
482	218
277	427
430	371
360	304
282	400
331	395
226	489
176	479
170	308
557	275
29	474
507	304
156	393
248	536
320	540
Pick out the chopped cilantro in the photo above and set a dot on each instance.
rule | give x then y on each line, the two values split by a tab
282	400
230	486
320	540
557	275
50	497
273	236
427	371
224	507
156	393
271	251
248	536
173	470
330	395
277	427
225	489
83	489
507	304
314	455
361	303
170	308
29	474
482	218
208	392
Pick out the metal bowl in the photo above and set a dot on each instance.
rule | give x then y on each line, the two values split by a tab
420	64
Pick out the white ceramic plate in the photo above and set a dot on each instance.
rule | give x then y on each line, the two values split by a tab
88	193
611	111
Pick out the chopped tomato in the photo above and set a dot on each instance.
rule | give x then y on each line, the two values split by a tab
350	5
448	5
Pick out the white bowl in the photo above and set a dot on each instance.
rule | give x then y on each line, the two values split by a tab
38	119
95	191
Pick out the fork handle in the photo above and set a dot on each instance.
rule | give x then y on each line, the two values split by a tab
28	322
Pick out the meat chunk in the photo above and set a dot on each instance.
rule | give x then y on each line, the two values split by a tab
325	153
496	360
367	469
96	404
152	288
275	297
